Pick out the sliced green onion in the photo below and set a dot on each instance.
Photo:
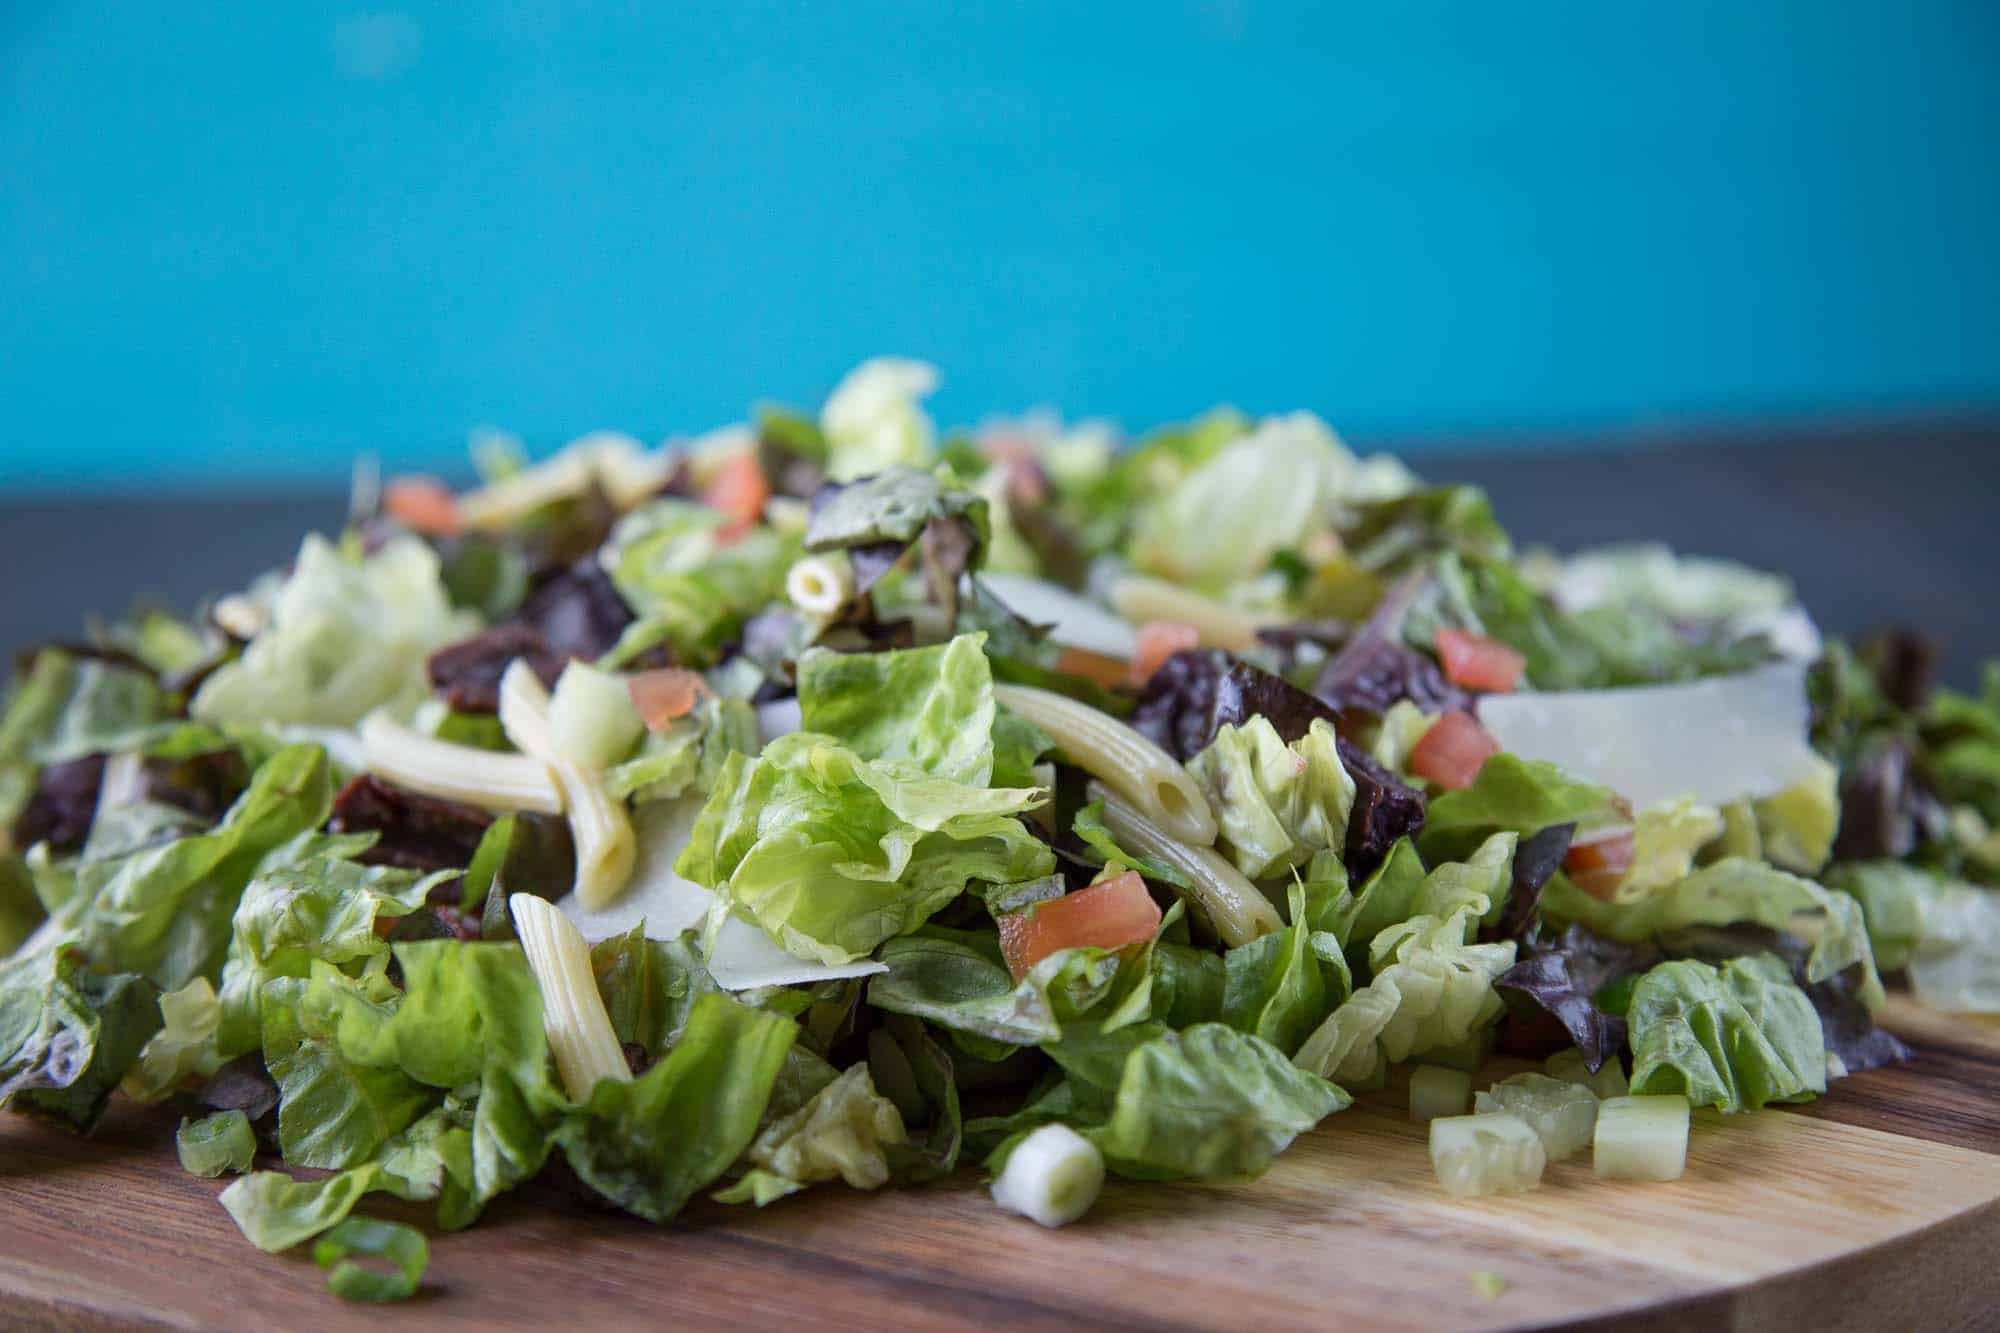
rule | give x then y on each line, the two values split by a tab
403	1246
1438	1092
1641	1138
1485	1154
1561	1114
1051	1177
216	1143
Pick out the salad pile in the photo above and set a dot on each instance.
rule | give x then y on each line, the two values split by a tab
824	801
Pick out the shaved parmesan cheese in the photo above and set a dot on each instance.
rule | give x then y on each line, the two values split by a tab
780	717
342	746
1718	740
744	957
1073	620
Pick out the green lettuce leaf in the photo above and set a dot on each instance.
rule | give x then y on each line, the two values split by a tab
1523	795
333	1112
1598	647
1260	494
1946	932
70	1033
66	707
1208	1102
689	753
1735	1038
1665	838
871	420
1730	890
347	634
1686	589
691	585
1281	986
1431	989
957	980
832	854
651	1144
76	1011
325	908
845	1132
184	1048
1278	804
1797	825
929	708
896	504
649	986
1402	891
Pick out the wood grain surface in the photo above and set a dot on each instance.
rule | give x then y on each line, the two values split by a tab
1876	1207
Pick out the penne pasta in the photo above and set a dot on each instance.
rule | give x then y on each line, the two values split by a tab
1237	909
1140	599
573	1014
1151	780
605	846
457	772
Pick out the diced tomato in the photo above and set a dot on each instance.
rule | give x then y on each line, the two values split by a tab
1109	915
1106	671
1159	640
1452	752
665	694
1599	866
1477	662
421	504
738	491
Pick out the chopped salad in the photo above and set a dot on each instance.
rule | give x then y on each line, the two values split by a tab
823	801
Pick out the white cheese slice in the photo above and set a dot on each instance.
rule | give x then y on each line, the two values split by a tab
780	717
745	957
1075	621
342	746
1718	740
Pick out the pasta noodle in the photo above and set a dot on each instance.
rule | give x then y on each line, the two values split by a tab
580	1034
605	846
457	772
1140	599
1237	908
1152	780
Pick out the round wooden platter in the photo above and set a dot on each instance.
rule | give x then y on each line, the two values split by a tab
1877	1207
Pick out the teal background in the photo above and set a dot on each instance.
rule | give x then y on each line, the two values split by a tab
238	244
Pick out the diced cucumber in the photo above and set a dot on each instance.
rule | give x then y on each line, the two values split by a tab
1485	1154
591	717
1438	1092
1561	1114
1568	1065
1641	1138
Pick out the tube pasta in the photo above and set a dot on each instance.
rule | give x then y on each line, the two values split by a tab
1237	908
1140	599
1151	780
605	845
820	585
573	1014
457	772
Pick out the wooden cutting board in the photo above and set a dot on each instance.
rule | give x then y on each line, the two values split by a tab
1877	1207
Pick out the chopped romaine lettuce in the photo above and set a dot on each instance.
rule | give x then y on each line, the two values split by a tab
347	634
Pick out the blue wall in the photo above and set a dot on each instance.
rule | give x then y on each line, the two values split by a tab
246	245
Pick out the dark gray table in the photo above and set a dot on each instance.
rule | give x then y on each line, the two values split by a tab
1875	523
